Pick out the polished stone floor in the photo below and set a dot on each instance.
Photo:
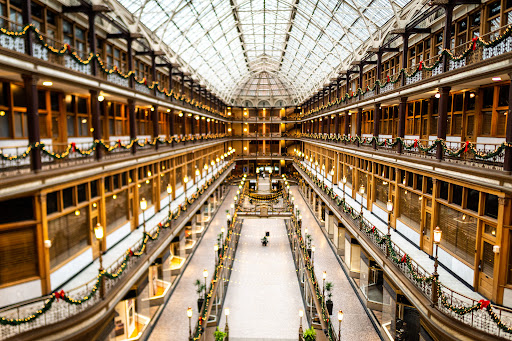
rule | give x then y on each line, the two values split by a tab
263	295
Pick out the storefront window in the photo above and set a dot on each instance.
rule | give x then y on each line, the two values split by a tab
459	233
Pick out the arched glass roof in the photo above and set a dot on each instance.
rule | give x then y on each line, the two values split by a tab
300	42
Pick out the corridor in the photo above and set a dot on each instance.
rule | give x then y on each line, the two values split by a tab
263	295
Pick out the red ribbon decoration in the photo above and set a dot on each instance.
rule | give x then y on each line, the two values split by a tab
415	143
421	65
484	304
387	78
474	40
160	224
404	258
466	147
373	229
59	294
130	252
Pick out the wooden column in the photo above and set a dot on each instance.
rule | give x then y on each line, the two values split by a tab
376	123
347	123
154	118
402	107
337	123
93	46
95	120
441	119
378	75
359	120
507	163
26	13
34	135
447	36
405	52
132	123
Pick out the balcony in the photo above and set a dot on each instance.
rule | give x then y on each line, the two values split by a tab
466	153
475	55
57	55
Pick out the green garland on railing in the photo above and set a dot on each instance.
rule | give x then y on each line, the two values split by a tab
66	49
477	41
380	238
467	147
73	148
128	254
203	318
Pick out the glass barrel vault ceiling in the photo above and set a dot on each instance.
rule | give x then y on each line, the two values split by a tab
236	43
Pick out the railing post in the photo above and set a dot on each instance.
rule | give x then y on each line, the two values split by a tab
435	289
441	120
376	124
133	124
96	123
402	107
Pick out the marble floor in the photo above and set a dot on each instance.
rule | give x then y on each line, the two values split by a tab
263	296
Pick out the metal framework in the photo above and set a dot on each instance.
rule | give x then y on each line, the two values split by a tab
298	45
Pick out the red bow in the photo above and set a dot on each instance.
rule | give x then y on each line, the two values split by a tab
466	147
484	304
73	146
421	65
59	294
387	79
415	143
404	258
474	40
373	229
130	252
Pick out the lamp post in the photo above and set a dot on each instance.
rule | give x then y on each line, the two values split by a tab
344	180
189	315
228	217
332	178
361	191
205	275
389	206
226	328
169	191
198	174
143	207
324	276
185	180
313	248
232	208
340	318
98	233
222	230
216	248
437	239
301	313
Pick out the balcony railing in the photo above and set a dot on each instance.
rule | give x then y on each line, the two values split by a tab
49	49
490	45
486	155
16	160
480	314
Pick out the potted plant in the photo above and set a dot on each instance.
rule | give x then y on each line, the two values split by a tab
328	302
200	288
219	335
264	241
309	334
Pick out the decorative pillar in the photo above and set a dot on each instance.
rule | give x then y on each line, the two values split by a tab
337	123
132	123
405	52
402	107
376	123
347	123
26	14
95	120
441	119
378	75
359	120
34	135
154	118
447	34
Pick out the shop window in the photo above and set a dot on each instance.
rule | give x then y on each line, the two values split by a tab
18	96
410	209
443	191
472	200
430	185
503	95
18	255
419	182
490	230
16	210
81	192
108	184
381	191
4	124
54	101
494	20
52	202
94	189
67	197
20	124
491	205
459	233
117	208
69	235
457	194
